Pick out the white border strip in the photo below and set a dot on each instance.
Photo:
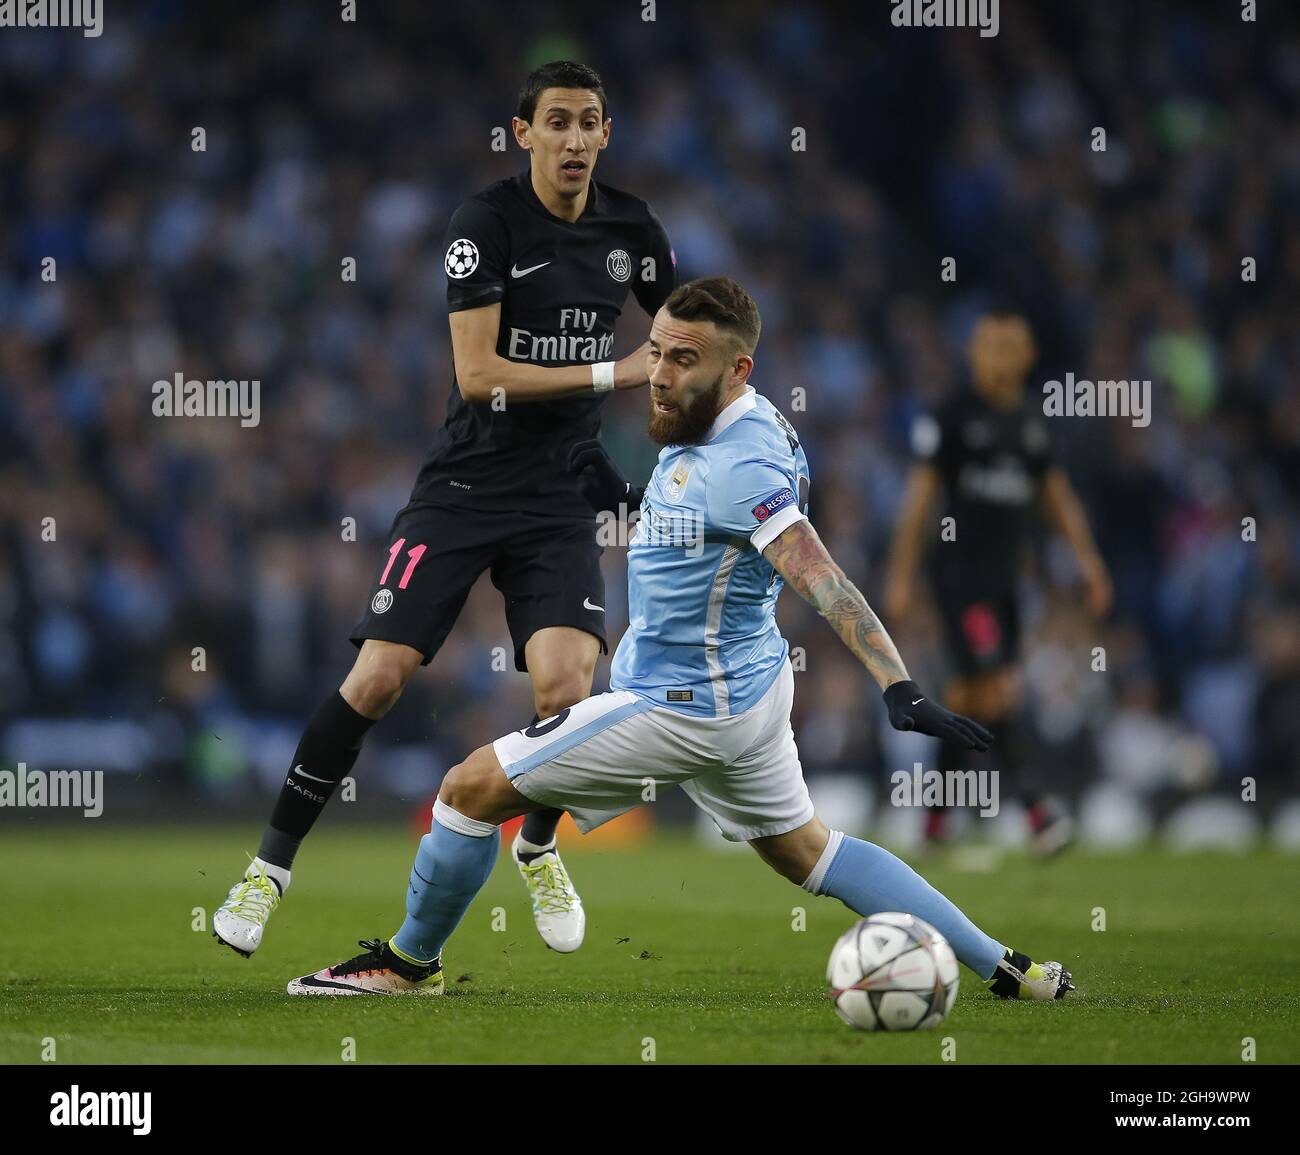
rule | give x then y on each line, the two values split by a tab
775	526
713	624
813	883
444	815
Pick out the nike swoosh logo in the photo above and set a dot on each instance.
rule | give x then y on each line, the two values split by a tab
587	605
516	271
918	701
299	770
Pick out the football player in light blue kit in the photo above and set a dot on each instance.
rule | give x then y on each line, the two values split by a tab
701	686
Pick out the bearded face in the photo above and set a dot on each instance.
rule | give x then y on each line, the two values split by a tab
688	420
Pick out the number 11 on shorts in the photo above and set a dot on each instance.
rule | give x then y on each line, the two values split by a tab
413	554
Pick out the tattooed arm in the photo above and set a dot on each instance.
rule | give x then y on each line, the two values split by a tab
799	556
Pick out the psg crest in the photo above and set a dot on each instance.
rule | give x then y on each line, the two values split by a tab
619	264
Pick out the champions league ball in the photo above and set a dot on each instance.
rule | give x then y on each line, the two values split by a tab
892	972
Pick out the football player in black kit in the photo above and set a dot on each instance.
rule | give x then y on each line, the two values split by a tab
538	267
986	453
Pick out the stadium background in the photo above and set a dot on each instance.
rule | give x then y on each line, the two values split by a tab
327	140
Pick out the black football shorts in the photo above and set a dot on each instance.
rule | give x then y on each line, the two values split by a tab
547	569
982	629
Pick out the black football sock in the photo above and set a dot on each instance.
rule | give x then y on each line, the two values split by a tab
539	826
539	829
1008	751
326	752
938	819
1004	984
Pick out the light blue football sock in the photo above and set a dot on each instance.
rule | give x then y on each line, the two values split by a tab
451	866
869	880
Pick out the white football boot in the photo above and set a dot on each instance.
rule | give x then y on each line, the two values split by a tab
557	909
1049	840
1019	977
379	971
240	920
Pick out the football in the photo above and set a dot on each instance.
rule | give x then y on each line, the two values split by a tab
892	972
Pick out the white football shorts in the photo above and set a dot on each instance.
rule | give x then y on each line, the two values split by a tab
612	752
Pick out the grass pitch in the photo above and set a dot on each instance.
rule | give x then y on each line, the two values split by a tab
688	947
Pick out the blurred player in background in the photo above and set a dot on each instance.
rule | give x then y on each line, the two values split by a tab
538	270
987	455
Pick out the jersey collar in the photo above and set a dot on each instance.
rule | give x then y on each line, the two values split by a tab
732	412
592	209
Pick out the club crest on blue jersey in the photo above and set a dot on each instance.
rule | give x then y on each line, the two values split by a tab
770	504
675	486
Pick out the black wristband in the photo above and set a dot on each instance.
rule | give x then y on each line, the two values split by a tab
901	693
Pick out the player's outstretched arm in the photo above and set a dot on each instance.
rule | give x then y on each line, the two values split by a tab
923	486
799	556
480	371
1065	511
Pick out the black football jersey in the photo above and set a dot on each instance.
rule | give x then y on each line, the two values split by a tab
992	462
562	286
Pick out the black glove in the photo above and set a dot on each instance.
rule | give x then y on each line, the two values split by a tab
909	709
599	479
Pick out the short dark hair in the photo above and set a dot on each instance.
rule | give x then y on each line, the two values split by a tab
722	301
1002	313
559	74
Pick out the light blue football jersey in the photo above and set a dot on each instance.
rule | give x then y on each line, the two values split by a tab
702	635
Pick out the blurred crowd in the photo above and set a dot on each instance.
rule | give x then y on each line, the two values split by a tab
197	577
